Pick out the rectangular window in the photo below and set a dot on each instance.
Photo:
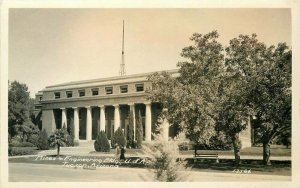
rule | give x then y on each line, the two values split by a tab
139	87
81	93
95	91
109	90
57	95
124	89
69	94
40	98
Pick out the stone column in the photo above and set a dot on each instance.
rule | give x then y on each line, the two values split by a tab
63	117
117	117
102	118
134	125
88	123
165	126
148	122
76	123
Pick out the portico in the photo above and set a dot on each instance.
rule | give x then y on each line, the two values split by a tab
89	120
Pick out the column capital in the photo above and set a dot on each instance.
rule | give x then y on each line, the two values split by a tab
147	103
75	107
88	107
101	106
131	104
116	105
63	108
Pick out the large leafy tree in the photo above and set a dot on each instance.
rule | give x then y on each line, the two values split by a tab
233	111
266	73
18	107
191	96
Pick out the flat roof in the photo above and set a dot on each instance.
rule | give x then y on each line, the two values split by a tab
105	81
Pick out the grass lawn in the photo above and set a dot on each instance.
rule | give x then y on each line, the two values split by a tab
276	150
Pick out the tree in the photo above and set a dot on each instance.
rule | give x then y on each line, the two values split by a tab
233	110
139	130
130	137
43	143
18	105
119	138
58	139
191	97
266	71
101	143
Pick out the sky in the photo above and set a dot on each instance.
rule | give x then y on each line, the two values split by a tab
53	46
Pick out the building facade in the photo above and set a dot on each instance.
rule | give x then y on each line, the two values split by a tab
104	104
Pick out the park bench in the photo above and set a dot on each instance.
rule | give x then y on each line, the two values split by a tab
199	155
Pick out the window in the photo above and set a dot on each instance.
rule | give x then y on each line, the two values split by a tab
40	99
109	90
69	94
95	91
57	95
139	87
124	89
81	93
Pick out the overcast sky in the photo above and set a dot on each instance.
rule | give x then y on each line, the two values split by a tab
52	46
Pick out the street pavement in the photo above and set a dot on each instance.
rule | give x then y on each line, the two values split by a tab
26	172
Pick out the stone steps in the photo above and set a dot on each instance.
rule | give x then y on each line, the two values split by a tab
85	143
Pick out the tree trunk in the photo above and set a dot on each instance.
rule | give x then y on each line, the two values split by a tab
58	149
236	148
266	153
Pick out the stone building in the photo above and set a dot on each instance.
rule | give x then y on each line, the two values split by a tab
103	104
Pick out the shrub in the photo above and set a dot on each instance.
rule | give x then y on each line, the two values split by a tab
68	139
101	143
33	139
13	151
119	138
219	141
43	143
139	131
165	159
15	141
130	137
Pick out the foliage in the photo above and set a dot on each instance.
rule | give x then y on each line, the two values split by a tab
58	139
119	138
191	97
72	130
43	143
101	143
33	139
222	89
139	130
284	138
15	151
130	135
266	73
165	159
18	105
219	141
69	140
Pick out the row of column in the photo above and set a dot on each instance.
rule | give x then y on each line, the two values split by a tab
148	121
